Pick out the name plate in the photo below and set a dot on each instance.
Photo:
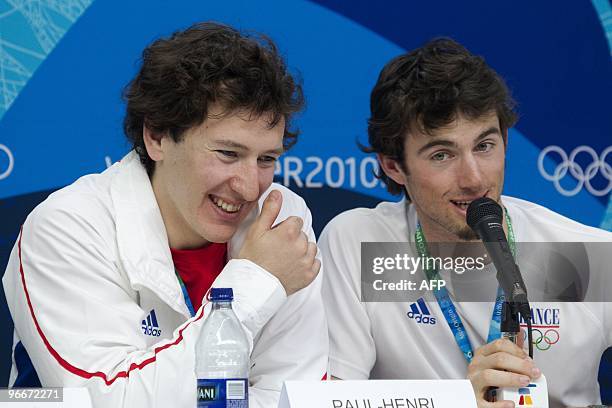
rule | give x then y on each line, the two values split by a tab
378	394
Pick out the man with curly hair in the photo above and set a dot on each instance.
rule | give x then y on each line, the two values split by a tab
107	282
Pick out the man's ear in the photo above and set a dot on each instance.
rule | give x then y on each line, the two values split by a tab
153	143
392	168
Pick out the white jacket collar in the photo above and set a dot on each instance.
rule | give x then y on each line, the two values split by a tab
141	235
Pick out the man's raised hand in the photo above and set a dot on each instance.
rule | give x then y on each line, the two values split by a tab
282	250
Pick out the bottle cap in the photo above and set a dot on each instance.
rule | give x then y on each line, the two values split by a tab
221	294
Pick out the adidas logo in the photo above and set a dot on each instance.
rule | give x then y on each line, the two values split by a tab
150	326
420	313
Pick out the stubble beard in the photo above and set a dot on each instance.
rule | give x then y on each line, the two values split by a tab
460	230
466	234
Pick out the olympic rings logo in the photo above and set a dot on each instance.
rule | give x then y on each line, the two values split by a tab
11	162
544	341
583	177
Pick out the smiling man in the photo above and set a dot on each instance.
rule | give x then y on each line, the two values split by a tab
439	126
107	282
465	158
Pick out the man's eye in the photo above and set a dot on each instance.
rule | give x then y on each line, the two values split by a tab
484	146
227	153
268	159
440	156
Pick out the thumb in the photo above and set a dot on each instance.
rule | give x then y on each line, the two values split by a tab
269	210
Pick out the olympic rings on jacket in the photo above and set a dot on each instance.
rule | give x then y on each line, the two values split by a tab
543	341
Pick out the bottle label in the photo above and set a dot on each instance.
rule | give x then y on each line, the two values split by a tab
223	393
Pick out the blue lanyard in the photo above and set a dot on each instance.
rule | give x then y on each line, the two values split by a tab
446	304
185	294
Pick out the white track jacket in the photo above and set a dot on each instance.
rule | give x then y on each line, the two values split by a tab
92	262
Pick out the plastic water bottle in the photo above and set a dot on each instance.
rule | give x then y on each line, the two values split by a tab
222	356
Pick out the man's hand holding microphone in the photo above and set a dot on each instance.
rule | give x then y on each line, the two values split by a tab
500	363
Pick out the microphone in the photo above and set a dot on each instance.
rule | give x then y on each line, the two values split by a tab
484	216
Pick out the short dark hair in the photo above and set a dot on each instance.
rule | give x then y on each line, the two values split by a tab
425	90
181	76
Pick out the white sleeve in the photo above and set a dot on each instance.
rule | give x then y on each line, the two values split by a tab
293	344
77	316
352	352
607	323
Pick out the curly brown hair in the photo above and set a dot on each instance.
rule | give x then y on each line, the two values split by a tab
181	76
425	90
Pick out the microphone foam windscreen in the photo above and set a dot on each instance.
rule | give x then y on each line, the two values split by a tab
481	208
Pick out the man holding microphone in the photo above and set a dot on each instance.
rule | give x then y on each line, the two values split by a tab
439	127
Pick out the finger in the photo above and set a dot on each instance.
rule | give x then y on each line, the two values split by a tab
508	362
500	345
299	223
496	378
316	267
303	243
269	210
311	252
292	226
312	273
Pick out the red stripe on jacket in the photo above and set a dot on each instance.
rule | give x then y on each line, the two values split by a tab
78	371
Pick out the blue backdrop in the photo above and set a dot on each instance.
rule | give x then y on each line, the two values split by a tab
63	64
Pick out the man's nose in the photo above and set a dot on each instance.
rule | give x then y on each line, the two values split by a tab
245	181
470	176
